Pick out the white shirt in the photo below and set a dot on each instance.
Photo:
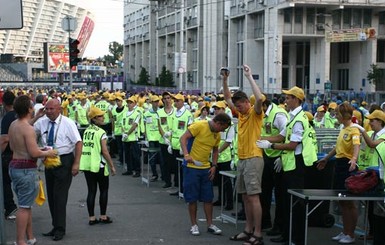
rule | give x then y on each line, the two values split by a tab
66	133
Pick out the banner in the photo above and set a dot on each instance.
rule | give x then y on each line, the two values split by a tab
350	35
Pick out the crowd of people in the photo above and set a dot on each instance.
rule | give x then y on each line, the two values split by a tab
270	141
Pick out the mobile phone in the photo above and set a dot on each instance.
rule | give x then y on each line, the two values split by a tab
225	71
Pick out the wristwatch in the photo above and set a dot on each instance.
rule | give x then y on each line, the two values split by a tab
272	146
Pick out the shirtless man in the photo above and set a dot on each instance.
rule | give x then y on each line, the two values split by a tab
23	168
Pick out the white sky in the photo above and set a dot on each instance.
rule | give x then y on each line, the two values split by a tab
108	26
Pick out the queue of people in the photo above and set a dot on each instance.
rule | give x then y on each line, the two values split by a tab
271	145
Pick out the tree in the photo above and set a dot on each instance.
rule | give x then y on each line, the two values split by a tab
374	75
116	49
143	77
165	78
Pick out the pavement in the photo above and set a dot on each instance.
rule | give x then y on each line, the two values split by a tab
141	215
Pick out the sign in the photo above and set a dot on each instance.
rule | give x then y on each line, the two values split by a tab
69	23
327	86
11	14
350	35
56	58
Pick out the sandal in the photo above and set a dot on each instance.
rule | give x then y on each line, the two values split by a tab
243	236
93	222
254	240
108	220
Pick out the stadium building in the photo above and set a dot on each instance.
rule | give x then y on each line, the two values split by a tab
22	54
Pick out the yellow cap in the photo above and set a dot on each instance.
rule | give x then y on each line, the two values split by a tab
119	98
321	108
132	99
295	91
377	114
333	105
178	97
220	104
154	98
364	103
309	116
94	112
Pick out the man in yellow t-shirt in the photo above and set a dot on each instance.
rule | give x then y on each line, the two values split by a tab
198	143
250	165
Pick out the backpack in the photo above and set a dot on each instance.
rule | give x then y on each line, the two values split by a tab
362	181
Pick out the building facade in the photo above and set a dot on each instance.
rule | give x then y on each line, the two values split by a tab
313	44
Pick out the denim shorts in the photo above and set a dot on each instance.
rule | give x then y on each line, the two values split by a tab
197	186
25	183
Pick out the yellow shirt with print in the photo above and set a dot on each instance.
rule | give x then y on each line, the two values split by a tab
249	131
204	141
347	138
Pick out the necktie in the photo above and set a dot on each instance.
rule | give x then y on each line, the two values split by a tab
51	134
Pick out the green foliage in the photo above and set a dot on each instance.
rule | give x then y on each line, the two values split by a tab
144	77
116	49
165	78
374	75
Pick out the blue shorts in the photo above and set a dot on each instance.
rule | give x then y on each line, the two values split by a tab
197	186
25	183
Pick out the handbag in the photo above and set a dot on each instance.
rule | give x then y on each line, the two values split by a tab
362	181
40	199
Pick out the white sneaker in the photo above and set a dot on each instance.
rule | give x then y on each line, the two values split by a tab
338	237
347	239
195	230
214	229
31	241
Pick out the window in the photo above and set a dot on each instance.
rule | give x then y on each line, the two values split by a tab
259	24
346	18
367	18
343	53
287	15
343	79
298	15
380	50
240	29
357	16
285	53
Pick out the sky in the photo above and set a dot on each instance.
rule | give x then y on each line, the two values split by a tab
108	26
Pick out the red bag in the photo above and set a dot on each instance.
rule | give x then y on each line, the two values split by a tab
362	181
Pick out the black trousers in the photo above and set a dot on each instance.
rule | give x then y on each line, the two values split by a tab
227	184
177	174
58	181
93	181
378	233
9	203
271	180
132	156
166	163
120	147
295	179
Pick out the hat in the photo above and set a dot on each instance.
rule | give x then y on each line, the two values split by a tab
309	116
364	103
154	98
119	98
178	97
295	91
94	112
321	108
220	104
112	97
82	97
333	105
200	99
132	99
377	114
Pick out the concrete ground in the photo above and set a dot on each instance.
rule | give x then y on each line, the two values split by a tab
141	215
